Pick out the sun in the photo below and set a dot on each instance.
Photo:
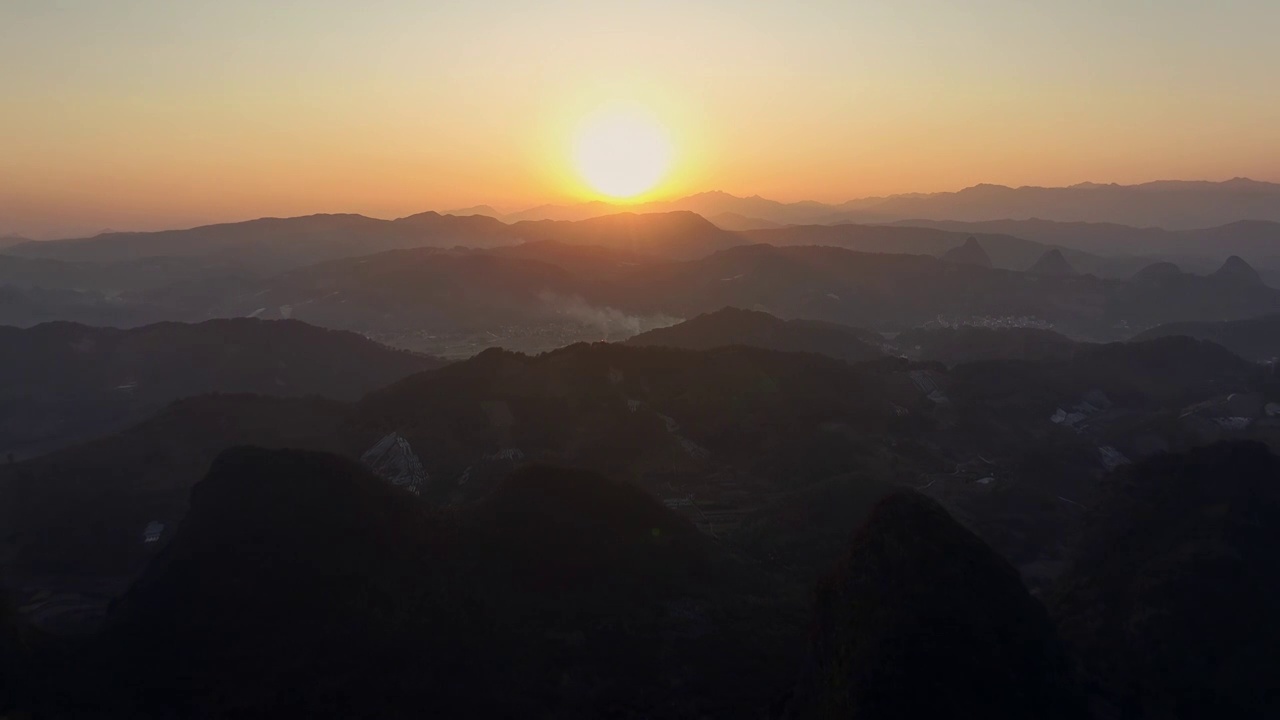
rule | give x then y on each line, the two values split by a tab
622	153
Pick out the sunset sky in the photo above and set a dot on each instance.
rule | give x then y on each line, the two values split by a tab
145	114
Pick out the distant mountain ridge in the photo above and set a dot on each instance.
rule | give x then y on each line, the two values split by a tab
269	245
1169	204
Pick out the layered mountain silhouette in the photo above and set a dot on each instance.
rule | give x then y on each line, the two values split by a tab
1175	205
612	292
274	244
343	271
486	210
638	528
62	382
1250	238
780	422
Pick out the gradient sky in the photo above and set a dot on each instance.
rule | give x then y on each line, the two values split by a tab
144	114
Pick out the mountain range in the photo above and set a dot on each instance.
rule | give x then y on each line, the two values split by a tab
665	540
544	294
1173	205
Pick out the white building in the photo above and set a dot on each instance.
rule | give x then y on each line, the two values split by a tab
152	532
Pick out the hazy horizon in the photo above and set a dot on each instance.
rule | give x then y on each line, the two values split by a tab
504	211
145	115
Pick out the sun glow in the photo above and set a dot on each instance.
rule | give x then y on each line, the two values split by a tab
622	153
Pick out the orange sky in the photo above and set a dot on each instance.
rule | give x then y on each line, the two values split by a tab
142	114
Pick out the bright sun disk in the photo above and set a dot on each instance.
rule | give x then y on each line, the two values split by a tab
622	154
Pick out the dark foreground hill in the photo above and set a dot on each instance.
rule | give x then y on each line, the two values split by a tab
63	382
732	326
78	515
922	620
1170	603
301	584
732	438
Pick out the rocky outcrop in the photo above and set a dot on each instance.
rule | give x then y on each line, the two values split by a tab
923	620
970	253
393	460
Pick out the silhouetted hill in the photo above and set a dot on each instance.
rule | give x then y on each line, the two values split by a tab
1176	205
549	293
642	412
664	418
292	569
566	529
424	289
1257	339
808	531
275	244
1169	603
1236	270
301	583
732	326
9	240
1157	272
678	235
1164	372
1004	251
27	306
1052	263
1248	238
587	260
1092	237
495	585
1172	205
108	278
486	210
566	213
62	382
734	221
970	253
883	291
78	514
921	619
416	297
968	344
